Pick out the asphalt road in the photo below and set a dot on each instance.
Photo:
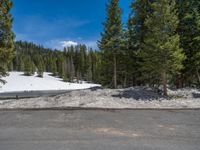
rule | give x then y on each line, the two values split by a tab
100	130
31	94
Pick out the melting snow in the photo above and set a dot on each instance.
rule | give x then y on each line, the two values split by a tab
17	82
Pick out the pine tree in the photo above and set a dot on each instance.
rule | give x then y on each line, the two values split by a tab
81	62
136	33
96	69
6	37
89	66
40	68
54	67
189	31
125	64
110	42
33	68
28	66
10	66
92	64
21	65
61	69
162	55
71	66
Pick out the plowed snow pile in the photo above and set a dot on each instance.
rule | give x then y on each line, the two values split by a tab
136	97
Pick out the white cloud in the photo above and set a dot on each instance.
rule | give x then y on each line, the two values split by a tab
68	43
61	43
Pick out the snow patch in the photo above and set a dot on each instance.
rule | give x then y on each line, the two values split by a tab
17	82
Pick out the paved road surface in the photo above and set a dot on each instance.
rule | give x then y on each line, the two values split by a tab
100	130
31	94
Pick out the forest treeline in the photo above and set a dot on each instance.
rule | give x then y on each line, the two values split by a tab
158	46
73	64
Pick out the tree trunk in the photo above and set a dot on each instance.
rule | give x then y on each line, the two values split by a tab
125	81
78	77
72	72
198	75
114	72
179	81
164	82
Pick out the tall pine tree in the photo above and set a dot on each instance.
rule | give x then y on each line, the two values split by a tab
189	31
136	33
162	54
6	37
110	42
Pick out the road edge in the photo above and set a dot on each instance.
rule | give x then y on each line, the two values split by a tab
90	108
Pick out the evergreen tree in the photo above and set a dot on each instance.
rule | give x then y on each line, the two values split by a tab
110	42
10	66
54	67
81	62
136	33
71	68
162	55
125	64
189	31
6	37
28	66
40	68
61	69
21	65
33	68
89	66
96	67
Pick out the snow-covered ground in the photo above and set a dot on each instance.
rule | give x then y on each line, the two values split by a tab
17	82
135	97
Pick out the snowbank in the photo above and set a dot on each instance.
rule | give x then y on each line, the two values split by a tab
17	82
136	97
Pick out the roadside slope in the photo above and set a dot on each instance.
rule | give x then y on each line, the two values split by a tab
136	97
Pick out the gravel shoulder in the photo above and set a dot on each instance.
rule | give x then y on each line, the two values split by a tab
135	97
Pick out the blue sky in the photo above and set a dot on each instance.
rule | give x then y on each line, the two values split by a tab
57	23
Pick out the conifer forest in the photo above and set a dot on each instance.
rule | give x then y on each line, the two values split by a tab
158	46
